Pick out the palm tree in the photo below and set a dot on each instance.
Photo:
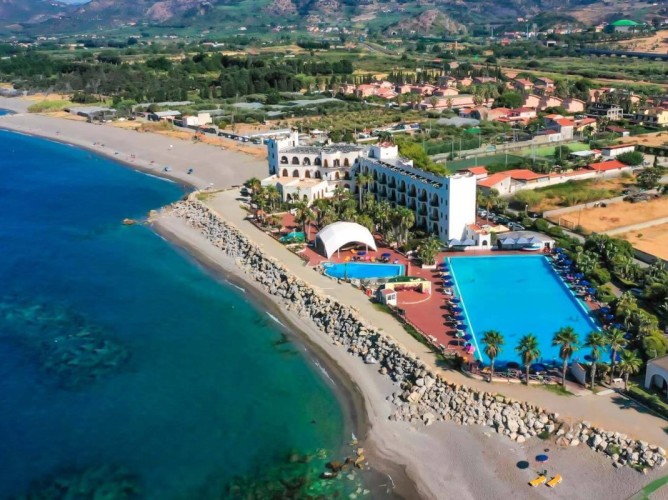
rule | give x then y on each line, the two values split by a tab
253	183
363	180
567	340
304	216
629	363
617	342
493	341
596	341
528	349
428	250
273	195
404	220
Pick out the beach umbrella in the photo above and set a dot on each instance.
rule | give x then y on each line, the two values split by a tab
457	309
585	283
539	367
522	465
592	291
512	365
456	300
462	327
542	458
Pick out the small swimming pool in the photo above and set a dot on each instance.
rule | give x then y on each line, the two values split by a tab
516	295
362	270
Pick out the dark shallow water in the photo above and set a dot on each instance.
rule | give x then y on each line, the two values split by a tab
122	360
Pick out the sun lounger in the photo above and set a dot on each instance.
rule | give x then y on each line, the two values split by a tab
554	481
538	481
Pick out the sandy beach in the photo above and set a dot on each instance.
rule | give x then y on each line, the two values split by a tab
444	460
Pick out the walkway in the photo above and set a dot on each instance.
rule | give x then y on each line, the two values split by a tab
635	227
613	411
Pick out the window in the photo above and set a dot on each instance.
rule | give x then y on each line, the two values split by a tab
284	159
284	173
306	161
307	174
318	175
295	173
295	160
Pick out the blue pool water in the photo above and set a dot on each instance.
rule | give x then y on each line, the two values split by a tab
360	270
196	384
516	295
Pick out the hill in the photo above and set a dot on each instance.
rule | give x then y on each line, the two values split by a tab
430	17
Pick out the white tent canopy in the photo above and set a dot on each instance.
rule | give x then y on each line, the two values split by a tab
339	234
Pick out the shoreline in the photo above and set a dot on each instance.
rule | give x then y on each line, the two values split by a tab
431	458
347	391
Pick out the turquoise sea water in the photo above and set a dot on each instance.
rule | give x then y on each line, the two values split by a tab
122	362
516	295
359	270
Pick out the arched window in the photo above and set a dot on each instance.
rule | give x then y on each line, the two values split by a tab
284	173
337	163
284	159
346	175
305	198
307	174
346	187
326	164
295	173
316	162
434	228
346	163
318	175
306	161
336	176
295	160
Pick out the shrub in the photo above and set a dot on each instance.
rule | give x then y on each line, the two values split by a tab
48	106
555	231
541	225
599	275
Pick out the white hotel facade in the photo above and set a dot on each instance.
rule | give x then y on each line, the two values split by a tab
443	206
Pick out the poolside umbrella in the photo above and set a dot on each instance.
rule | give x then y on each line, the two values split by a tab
592	291
609	317
522	465
361	252
457	309
456	300
542	458
462	327
512	365
447	283
585	283
604	309
387	255
539	367
579	276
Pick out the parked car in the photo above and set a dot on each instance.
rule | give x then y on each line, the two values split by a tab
516	226
637	292
502	219
482	213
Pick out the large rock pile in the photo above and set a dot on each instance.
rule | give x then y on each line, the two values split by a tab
424	396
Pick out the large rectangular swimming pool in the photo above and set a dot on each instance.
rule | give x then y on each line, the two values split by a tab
516	295
363	271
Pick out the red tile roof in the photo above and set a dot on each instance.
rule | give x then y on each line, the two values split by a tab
477	170
522	174
606	165
492	180
564	122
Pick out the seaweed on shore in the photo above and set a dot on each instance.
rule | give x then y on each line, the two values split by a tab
105	482
64	343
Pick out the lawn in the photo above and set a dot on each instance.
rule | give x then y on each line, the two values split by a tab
513	161
546	151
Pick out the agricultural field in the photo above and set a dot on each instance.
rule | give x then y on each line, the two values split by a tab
653	240
618	215
656	44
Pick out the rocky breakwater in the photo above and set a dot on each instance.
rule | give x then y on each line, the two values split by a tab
424	397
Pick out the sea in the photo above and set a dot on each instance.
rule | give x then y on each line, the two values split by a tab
129	371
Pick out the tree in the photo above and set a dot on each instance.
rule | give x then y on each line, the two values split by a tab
632	158
529	351
304	216
649	177
596	341
363	180
493	341
567	340
629	363
428	250
273	196
616	339
403	219
509	100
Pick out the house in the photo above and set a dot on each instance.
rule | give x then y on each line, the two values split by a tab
618	130
522	85
615	151
197	121
573	106
346	89
464	82
403	89
611	112
387	296
544	84
585	125
445	91
541	103
510	181
657	117
365	90
479	172
564	126
425	90
449	102
93	113
447	81
490	115
624	26
483	80
657	374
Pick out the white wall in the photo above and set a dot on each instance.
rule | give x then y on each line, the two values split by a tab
461	207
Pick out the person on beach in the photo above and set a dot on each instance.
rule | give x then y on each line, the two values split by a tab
170	147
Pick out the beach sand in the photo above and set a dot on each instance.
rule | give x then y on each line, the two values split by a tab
442	461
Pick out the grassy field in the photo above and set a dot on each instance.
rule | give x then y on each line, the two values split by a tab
513	161
572	193
546	151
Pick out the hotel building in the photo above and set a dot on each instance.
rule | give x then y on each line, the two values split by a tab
443	206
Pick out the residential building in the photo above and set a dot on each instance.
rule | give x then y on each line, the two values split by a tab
615	151
609	166
544	85
611	112
93	113
478	172
656	117
562	125
618	130
444	206
522	85
585	125
162	116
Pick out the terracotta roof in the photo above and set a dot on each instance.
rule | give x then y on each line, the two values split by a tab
523	82
522	174
606	165
564	122
492	180
477	170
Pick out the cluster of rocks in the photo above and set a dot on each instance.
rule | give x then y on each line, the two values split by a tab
424	397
